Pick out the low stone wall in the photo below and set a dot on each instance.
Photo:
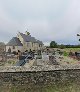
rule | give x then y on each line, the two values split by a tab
37	68
39	77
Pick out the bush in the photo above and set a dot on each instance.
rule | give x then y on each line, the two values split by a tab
62	46
65	53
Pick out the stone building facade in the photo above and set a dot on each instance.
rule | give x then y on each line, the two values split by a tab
24	42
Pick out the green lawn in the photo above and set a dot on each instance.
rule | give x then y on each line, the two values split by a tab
72	49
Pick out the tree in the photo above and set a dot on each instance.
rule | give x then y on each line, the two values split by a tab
53	44
62	46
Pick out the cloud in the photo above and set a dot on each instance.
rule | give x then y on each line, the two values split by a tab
46	20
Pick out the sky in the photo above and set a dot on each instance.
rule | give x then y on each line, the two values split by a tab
46	20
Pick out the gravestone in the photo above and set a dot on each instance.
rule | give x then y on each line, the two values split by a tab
39	55
45	57
52	60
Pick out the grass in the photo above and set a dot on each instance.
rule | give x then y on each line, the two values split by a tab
72	49
65	87
65	53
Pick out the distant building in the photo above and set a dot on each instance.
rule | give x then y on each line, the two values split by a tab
24	42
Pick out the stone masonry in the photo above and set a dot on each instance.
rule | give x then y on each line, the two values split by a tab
39	77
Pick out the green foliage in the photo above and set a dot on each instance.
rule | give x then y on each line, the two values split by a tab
11	62
62	46
72	46
53	44
62	87
65	53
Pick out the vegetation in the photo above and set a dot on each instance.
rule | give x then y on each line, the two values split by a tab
65	53
61	46
53	44
64	87
71	49
72	46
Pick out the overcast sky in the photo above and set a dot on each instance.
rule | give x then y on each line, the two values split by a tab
46	20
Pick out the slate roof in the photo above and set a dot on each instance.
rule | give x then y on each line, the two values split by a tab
40	42
28	38
14	42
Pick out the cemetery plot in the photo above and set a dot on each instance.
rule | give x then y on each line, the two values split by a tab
54	57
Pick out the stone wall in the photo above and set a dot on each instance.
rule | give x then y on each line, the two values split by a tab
40	77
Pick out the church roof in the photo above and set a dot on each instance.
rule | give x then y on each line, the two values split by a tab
14	42
28	38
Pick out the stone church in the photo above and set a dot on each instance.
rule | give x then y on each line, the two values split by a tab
24	42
